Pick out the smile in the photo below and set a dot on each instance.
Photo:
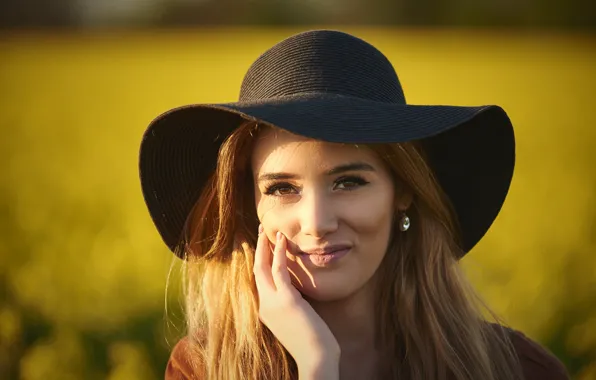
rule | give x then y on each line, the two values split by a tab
326	256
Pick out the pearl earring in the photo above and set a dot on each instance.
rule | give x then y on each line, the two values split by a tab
404	223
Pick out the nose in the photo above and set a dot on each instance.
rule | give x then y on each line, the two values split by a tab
317	215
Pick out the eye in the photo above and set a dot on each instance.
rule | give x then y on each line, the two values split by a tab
280	189
350	183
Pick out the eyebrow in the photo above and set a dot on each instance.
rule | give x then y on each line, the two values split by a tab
354	166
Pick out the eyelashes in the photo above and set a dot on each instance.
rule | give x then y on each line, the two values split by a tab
347	183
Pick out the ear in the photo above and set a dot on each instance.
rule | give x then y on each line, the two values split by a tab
404	200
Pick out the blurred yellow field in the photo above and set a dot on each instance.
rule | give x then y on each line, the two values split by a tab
83	270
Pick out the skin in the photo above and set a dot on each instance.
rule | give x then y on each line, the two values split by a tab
323	315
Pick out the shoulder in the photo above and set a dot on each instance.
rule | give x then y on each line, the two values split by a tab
180	365
536	361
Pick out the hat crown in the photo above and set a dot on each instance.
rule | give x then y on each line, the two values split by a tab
322	61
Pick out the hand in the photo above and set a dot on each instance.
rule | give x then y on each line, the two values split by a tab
289	317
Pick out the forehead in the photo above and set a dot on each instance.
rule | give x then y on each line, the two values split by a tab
277	149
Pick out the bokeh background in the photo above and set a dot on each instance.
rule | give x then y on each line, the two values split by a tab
83	273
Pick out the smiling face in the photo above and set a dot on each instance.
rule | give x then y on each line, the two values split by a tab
335	204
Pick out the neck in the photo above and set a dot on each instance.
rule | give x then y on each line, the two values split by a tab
352	322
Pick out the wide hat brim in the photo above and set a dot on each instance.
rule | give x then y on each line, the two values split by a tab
471	149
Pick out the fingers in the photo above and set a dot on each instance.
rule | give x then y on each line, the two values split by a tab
262	265
271	271
279	267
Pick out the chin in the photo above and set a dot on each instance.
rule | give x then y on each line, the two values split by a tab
326	288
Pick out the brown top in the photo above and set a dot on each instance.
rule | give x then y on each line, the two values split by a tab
536	361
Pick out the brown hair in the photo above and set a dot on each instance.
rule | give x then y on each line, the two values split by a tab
429	319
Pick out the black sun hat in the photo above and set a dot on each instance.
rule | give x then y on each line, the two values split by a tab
330	86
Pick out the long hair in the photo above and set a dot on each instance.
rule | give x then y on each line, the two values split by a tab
430	322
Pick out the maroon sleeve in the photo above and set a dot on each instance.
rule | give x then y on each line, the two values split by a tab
536	361
180	366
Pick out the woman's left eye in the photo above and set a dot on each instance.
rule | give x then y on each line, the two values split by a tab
349	183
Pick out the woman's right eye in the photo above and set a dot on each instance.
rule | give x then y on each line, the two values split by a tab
280	189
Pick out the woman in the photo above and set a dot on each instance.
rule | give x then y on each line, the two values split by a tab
322	218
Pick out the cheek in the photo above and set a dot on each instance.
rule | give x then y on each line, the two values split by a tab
273	215
371	215
371	223
265	209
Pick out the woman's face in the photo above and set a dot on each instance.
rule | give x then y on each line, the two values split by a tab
333	202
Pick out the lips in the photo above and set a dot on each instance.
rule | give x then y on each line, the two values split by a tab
326	257
327	250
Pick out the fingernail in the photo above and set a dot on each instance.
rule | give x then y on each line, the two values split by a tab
261	229
278	236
